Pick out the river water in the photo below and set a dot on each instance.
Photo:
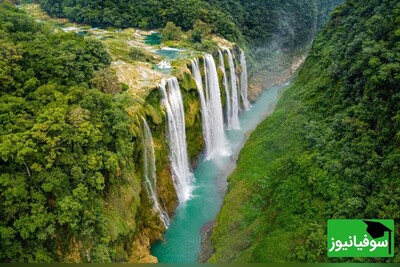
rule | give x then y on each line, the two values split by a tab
182	242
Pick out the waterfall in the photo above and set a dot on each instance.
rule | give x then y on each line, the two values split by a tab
204	109
243	81
181	173
234	92
214	106
228	95
149	171
211	107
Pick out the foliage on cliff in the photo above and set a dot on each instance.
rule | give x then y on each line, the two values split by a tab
65	147
291	23
331	149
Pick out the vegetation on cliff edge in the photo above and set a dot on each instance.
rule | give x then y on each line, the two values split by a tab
331	149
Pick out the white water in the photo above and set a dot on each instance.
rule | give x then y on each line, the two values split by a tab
181	173
204	109
149	171
243	82
164	64
211	108
234	92
214	107
172	49
182	242
228	94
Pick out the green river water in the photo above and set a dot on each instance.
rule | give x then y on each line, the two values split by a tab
182	242
153	39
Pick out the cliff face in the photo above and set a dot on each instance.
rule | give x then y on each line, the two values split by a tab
151	108
155	115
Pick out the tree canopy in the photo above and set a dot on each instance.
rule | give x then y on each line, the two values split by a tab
291	23
63	142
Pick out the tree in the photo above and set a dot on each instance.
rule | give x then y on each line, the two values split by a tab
107	81
171	32
139	54
200	30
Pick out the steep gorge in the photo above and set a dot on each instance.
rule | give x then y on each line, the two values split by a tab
124	212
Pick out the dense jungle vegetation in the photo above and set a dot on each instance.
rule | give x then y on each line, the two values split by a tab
68	154
290	24
331	149
64	144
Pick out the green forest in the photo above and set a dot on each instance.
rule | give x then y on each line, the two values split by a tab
331	149
64	144
290	24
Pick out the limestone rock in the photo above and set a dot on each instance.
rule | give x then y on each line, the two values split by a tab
140	252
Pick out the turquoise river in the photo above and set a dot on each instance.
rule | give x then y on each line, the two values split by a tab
182	242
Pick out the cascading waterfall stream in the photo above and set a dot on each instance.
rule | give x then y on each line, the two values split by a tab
149	171
234	92
184	237
204	109
211	108
183	240
243	81
181	173
228	94
214	105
